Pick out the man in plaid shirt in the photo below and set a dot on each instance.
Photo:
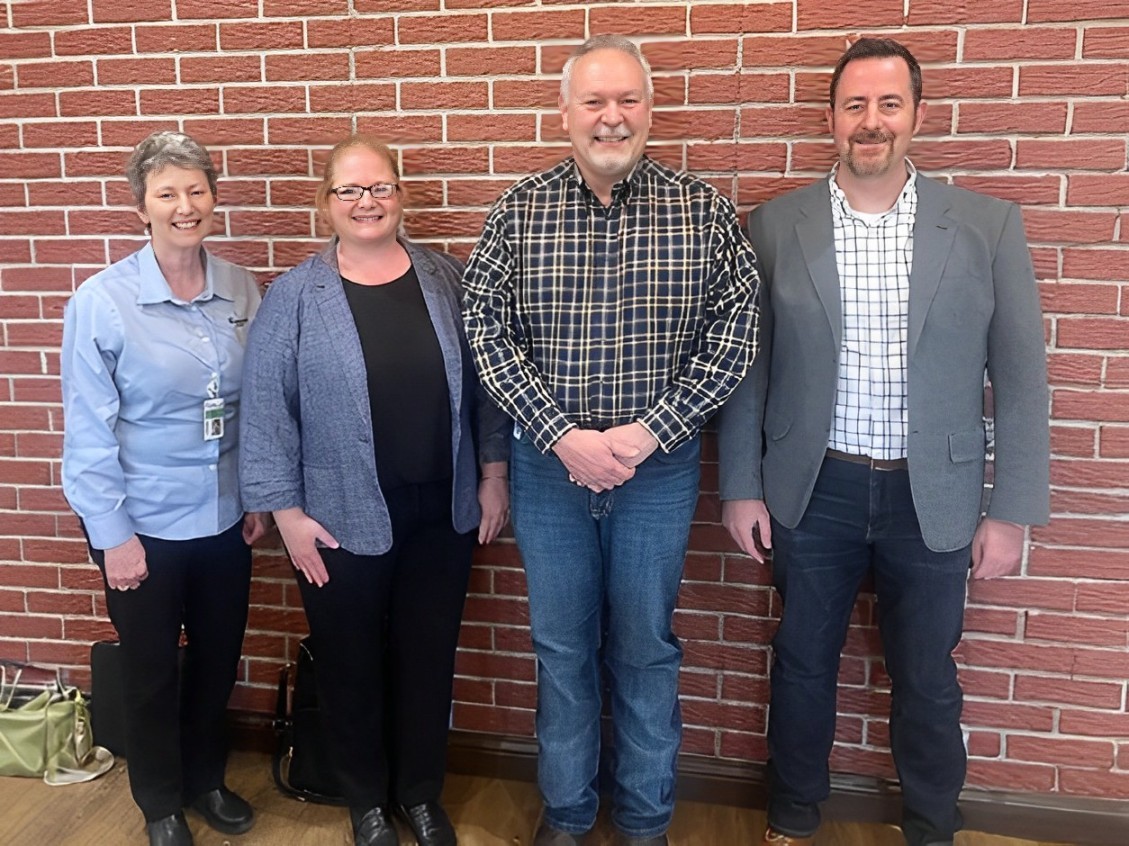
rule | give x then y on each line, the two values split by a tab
611	309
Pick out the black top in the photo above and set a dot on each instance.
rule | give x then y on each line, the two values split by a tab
407	382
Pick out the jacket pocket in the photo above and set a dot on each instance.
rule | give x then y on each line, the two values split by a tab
968	445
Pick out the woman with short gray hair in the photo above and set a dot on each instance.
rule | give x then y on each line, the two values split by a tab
152	369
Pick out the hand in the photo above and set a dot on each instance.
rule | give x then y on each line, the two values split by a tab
494	499
747	521
300	534
255	525
997	548
631	443
125	565
587	456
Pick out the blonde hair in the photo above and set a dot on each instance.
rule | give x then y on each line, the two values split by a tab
357	139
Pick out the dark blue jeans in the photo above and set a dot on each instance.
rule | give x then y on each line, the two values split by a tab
860	520
614	559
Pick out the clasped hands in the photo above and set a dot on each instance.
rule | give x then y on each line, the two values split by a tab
601	461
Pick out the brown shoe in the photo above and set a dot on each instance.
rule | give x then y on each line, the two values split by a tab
772	837
546	835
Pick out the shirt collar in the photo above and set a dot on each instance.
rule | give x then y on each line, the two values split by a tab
622	191
154	288
905	199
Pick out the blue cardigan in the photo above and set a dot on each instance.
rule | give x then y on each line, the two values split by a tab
306	430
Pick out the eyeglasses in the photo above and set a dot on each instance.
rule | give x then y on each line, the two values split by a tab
378	190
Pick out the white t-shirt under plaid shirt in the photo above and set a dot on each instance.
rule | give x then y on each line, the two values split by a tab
874	255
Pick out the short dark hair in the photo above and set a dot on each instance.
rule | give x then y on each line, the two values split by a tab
878	48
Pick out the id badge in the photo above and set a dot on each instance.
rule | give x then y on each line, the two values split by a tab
213	419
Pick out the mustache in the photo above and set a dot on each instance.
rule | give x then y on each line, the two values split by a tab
876	136
612	134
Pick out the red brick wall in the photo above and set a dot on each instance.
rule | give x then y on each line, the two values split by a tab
1028	101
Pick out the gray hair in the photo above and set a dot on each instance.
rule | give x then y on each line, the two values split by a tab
162	149
607	42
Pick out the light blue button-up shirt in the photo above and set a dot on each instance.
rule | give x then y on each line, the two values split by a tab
137	365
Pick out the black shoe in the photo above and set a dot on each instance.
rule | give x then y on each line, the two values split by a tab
224	811
169	831
373	828
546	835
430	824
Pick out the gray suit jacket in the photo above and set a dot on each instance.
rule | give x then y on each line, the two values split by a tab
973	303
306	422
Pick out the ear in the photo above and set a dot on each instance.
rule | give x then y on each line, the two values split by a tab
919	118
564	112
141	213
829	114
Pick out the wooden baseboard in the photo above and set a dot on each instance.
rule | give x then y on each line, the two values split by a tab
1032	816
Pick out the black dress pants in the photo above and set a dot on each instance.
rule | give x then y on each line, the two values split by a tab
175	719
384	630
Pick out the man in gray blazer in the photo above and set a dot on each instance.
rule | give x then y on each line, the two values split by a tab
856	444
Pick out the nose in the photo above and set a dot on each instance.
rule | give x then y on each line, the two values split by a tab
612	115
183	203
871	117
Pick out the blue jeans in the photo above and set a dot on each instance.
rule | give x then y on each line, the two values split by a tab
608	566
860	520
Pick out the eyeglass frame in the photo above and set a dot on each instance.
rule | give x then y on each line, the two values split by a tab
394	186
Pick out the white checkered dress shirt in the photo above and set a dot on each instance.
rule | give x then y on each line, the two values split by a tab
874	255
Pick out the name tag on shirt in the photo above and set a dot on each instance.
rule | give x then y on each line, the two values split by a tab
213	419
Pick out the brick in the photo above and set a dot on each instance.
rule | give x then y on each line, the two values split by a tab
1069	227
760	189
785	51
814	14
103	40
1095	723
1111	265
136	71
27	105
289	8
280	223
350	32
1097	154
446	29
128	11
1008	775
404	129
37	13
740	88
988	154
1018	188
729	157
1073	368
477	61
511	721
1099	116
1117	373
382	64
385	6
55	74
782	121
740	18
182	101
97	103
219	132
1073	80
444	95
1105	42
538	26
1051	750
994	45
60	134
21	165
25	45
270	35
1114	442
225	69
32	223
1107	189
1086	782
322	66
1067	628
1029	688
637	20
307	130
1039	11
679	56
927	12
263	98
491	127
175	38
209	9
1024	118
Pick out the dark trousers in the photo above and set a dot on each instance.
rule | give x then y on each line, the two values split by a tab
384	630
861	520
176	719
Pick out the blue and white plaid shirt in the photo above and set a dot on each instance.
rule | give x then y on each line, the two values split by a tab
581	315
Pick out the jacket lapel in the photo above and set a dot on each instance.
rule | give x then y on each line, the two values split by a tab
443	318
817	241
933	234
341	329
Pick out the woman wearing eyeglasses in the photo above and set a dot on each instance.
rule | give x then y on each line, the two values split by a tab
365	433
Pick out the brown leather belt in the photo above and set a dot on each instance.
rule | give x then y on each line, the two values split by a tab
872	463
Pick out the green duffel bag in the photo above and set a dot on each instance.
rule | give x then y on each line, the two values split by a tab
45	732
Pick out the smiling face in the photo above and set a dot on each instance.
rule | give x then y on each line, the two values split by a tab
607	116
873	119
365	221
178	207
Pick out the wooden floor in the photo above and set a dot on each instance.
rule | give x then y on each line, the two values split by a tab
486	812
